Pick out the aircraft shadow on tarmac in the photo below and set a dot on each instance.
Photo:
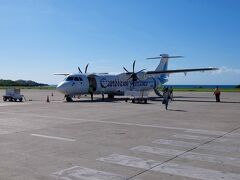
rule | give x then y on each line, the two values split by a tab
106	100
177	110
212	101
176	98
192	99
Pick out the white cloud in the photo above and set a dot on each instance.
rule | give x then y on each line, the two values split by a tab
226	70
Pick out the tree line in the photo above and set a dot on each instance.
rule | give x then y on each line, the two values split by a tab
22	83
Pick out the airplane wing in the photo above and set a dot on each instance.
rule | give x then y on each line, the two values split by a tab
62	74
181	71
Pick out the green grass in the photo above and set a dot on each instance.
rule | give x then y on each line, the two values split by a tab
205	90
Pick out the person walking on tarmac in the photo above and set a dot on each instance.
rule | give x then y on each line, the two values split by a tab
171	93
91	92
103	92
217	94
166	98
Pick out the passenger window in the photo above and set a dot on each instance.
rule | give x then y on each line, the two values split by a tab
70	78
76	79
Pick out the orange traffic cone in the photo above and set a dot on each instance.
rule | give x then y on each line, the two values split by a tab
48	101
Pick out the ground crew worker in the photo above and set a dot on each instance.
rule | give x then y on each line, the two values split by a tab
171	93
91	92
217	94
166	97
103	92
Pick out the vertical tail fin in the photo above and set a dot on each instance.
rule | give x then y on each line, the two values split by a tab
163	65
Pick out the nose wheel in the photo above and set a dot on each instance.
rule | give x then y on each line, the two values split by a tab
68	99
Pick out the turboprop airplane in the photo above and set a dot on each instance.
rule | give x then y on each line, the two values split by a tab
79	83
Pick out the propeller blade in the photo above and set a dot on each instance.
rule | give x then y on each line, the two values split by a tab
138	78
141	71
125	69
79	70
134	66
154	58
86	68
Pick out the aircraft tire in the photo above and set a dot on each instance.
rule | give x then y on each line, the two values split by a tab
68	99
110	96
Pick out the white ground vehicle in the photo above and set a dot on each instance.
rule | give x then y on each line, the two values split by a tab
13	94
137	96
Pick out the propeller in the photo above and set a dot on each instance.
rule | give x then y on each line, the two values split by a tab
165	56
132	74
86	68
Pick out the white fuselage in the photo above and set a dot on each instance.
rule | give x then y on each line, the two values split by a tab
78	84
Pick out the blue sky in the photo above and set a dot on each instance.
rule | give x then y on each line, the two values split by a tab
41	37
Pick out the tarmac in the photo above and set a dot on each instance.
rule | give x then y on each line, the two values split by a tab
196	138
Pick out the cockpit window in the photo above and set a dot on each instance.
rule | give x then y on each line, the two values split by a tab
76	79
70	78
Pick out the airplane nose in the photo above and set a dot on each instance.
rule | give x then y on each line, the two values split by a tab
62	87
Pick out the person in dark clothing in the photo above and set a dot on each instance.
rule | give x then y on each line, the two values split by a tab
171	93
217	94
103	92
91	92
166	97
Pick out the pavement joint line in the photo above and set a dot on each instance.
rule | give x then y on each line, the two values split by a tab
185	152
54	137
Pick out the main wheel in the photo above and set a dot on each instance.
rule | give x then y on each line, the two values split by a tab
20	100
69	99
110	96
5	99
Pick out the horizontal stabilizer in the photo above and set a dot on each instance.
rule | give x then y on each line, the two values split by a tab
165	56
62	74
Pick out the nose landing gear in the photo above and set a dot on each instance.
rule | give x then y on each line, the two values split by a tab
68	99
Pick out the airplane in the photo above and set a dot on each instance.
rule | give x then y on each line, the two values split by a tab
118	84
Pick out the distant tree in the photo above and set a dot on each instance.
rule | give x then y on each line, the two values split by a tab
238	86
22	83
